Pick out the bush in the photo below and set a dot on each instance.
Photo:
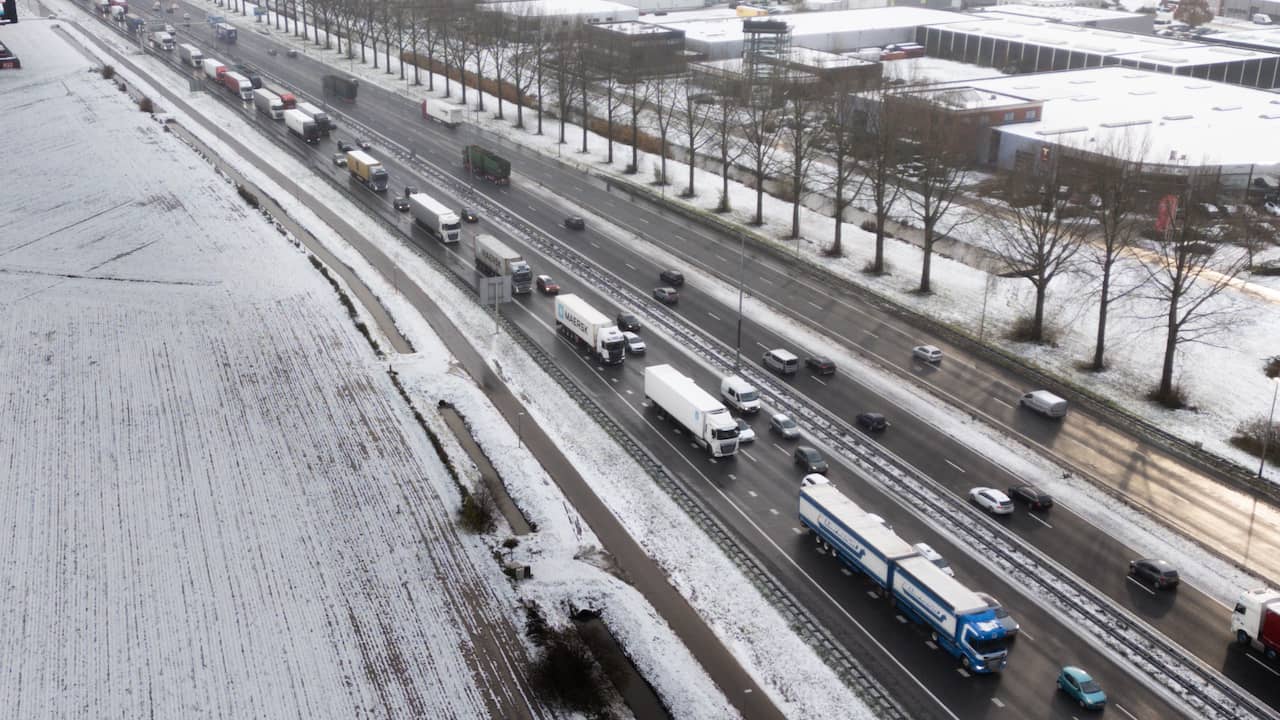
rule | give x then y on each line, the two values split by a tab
108	72
1251	436
479	512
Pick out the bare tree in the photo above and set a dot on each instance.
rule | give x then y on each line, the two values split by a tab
1187	275
803	131
942	165
1114	204
877	145
695	121
1040	236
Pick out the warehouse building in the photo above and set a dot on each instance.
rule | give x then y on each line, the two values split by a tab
1026	45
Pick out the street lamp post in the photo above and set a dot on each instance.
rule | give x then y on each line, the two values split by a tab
1271	418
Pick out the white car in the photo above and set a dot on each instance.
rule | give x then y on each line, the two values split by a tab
635	343
992	500
745	433
927	353
933	556
1271	208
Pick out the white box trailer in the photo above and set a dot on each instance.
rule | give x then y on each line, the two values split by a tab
191	55
692	408
268	103
584	325
860	540
435	218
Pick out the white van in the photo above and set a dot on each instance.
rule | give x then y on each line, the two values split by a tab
1045	403
783	362
1261	18
739	394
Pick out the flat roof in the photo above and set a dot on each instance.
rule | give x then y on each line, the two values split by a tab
812	23
1175	116
1058	13
1150	48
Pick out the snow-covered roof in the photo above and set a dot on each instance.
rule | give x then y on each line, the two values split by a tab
1205	123
1152	49
1069	14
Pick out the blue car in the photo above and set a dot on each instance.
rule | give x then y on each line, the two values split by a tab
1081	687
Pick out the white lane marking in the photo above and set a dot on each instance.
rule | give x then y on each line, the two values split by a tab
996	701
1268	668
1134	580
815	379
957	467
814	304
714	316
1037	519
1126	712
749	455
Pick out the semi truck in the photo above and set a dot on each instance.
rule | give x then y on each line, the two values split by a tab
225	32
443	112
1256	621
364	167
487	165
162	40
343	88
301	124
693	408
214	69
494	259
191	55
435	218
268	103
584	325
321	118
237	84
959	621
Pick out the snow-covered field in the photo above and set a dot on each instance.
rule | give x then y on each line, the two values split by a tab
214	502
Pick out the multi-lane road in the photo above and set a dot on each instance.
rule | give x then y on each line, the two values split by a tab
755	495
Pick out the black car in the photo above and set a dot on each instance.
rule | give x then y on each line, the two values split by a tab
674	278
1158	573
400	203
628	322
344	147
469	215
872	422
667	295
820	365
810	460
1033	496
573	222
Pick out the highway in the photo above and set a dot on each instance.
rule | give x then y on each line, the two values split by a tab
755	494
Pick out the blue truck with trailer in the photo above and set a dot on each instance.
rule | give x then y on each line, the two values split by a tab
960	622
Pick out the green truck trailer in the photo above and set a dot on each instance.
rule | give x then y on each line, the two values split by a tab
487	165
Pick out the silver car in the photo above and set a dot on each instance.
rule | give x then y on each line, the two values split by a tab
782	424
1011	626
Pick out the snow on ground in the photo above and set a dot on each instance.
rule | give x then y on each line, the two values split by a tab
785	666
216	505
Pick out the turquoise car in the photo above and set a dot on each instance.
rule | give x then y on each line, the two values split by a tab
1081	687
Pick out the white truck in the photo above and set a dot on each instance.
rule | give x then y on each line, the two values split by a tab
435	218
693	408
191	55
584	325
321	118
300	124
495	259
268	103
162	40
442	112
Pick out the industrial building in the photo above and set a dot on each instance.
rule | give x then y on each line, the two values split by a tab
722	38
1079	16
1026	45
1178	124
